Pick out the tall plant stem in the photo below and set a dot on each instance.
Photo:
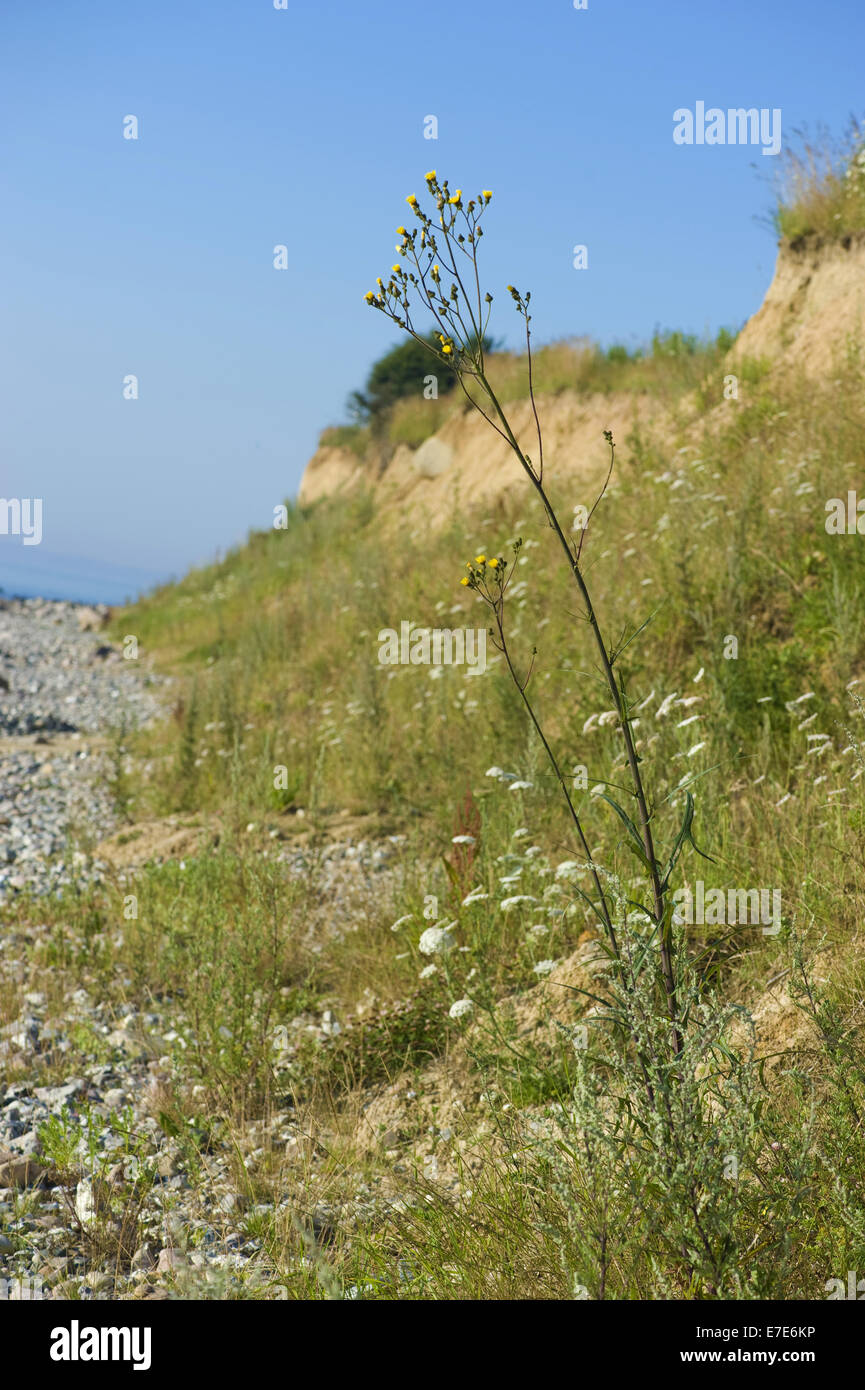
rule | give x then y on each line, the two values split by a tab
619	698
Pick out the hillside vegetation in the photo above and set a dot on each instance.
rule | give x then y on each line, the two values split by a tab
474	1151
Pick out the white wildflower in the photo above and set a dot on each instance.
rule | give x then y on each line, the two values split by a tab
461	1008
545	967
474	897
436	941
569	868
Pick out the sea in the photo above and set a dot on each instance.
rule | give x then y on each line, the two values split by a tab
28	572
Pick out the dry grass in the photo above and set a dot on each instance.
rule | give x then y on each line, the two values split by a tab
822	186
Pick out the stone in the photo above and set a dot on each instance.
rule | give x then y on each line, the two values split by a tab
432	458
232	1202
20	1171
90	619
167	1166
55	1097
169	1260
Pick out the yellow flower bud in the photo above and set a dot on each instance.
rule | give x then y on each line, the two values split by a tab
464	580
411	200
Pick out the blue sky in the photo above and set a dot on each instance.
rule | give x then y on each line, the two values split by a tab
304	127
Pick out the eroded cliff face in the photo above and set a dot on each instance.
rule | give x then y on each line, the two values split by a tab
466	464
814	310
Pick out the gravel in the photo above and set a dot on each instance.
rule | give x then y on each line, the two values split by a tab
59	684
63	689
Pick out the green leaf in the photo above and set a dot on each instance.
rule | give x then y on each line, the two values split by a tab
633	832
684	837
168	1126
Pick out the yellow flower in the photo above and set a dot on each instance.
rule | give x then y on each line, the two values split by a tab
456	198
447	349
369	296
401	231
480	559
411	200
430	176
395	267
487	193
494	564
464	580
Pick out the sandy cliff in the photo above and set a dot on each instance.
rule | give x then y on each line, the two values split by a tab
814	310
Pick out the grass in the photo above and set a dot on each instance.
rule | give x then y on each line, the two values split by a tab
822	187
544	1185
